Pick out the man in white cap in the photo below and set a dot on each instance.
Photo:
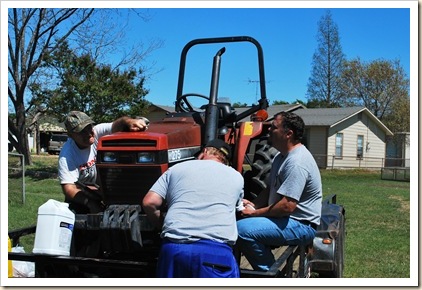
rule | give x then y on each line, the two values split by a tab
78	155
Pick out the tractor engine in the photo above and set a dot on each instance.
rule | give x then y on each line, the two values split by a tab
129	163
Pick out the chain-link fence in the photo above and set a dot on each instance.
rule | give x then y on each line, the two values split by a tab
391	168
352	162
395	173
16	177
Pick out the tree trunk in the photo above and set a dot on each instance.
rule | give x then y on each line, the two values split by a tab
37	137
23	145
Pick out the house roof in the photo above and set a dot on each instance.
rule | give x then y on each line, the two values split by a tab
169	109
330	117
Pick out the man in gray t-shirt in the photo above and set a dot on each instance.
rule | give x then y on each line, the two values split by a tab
199	227
288	211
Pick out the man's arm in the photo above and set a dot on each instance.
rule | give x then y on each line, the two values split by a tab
78	195
70	190
151	204
125	124
281	208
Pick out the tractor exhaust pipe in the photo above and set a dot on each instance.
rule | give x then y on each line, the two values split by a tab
211	115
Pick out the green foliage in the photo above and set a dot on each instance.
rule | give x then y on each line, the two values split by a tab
380	85
398	119
239	105
99	90
279	103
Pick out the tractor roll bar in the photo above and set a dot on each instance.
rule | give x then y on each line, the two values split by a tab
263	103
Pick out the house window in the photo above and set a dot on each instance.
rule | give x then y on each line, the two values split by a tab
339	145
359	151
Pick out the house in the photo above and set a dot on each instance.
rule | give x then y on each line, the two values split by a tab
158	112
345	137
46	130
340	137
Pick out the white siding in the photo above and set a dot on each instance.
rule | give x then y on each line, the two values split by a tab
374	143
317	144
156	116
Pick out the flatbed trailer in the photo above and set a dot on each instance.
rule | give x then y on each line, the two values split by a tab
322	259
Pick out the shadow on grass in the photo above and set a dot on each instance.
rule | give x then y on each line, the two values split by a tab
41	174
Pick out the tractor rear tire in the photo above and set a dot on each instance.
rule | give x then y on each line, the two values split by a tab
257	179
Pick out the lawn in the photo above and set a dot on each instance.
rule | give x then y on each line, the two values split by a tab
377	215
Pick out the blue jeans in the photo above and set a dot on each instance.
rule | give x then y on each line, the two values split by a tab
201	259
258	234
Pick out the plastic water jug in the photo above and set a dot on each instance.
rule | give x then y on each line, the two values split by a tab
53	234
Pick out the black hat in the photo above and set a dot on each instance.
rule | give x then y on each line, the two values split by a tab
220	145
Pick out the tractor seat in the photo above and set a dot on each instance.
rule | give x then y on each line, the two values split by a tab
226	113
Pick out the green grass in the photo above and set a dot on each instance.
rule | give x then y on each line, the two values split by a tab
41	185
377	223
377	215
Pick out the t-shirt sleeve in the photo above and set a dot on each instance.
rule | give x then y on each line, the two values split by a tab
161	185
294	182
102	129
239	204
68	172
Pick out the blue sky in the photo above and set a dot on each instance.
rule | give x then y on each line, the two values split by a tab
288	39
286	30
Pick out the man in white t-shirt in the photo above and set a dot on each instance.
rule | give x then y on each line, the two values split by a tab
78	155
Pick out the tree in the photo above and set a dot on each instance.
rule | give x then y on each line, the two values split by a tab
239	105
381	86
92	88
279	103
34	33
324	84
299	102
398	120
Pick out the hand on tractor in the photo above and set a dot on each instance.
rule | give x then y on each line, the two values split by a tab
140	124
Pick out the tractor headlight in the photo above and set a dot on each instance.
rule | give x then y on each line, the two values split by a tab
146	157
109	157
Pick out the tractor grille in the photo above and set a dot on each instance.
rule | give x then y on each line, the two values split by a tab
127	185
129	143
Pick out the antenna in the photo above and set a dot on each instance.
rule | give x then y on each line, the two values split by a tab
256	82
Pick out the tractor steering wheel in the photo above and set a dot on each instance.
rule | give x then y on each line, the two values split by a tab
183	103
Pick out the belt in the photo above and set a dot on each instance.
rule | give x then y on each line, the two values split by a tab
308	223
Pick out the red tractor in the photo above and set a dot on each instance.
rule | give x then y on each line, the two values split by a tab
121	241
